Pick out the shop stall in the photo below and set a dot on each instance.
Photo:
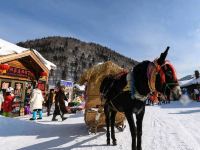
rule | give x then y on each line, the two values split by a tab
20	69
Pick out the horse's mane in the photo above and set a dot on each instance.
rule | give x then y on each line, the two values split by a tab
173	69
114	83
140	77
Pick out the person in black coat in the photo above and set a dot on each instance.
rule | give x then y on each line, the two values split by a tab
50	101
60	108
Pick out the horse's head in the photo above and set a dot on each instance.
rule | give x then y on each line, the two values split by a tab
166	80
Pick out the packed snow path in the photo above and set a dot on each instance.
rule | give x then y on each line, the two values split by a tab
166	127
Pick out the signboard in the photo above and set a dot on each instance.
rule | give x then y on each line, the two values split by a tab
18	89
5	85
66	83
18	72
69	88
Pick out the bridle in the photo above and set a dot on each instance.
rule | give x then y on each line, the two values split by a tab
153	70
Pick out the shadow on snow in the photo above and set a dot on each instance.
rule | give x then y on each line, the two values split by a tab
178	104
187	112
62	133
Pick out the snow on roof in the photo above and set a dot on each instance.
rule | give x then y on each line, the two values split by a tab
7	48
189	82
47	63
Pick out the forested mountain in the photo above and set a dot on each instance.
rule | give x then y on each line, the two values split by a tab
73	56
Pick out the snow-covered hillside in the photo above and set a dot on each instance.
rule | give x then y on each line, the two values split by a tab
166	127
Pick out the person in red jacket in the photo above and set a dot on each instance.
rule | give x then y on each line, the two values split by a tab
7	105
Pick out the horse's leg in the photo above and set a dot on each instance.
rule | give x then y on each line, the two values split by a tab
107	117
139	121
129	117
113	115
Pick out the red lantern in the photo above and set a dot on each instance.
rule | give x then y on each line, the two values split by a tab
4	67
43	74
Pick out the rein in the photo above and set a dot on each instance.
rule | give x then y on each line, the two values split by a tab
105	92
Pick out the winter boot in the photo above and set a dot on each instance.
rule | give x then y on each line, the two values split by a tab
34	115
40	114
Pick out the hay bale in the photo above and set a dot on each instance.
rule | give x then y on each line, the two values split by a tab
94	76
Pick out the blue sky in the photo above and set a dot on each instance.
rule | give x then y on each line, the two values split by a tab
139	29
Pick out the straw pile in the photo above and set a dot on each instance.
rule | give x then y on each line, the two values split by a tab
94	76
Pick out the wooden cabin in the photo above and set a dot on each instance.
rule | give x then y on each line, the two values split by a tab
20	71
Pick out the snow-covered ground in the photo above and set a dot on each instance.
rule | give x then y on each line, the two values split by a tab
166	127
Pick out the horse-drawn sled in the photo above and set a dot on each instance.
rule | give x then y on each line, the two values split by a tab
94	116
148	76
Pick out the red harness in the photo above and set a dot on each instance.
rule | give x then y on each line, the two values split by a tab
153	69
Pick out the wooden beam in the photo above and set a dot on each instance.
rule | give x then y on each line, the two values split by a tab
14	78
14	56
11	57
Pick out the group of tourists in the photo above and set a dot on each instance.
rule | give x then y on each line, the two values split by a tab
37	101
58	98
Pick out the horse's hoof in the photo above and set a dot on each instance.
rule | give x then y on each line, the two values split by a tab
139	148
121	128
114	143
108	142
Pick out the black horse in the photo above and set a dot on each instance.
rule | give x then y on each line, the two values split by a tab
146	77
